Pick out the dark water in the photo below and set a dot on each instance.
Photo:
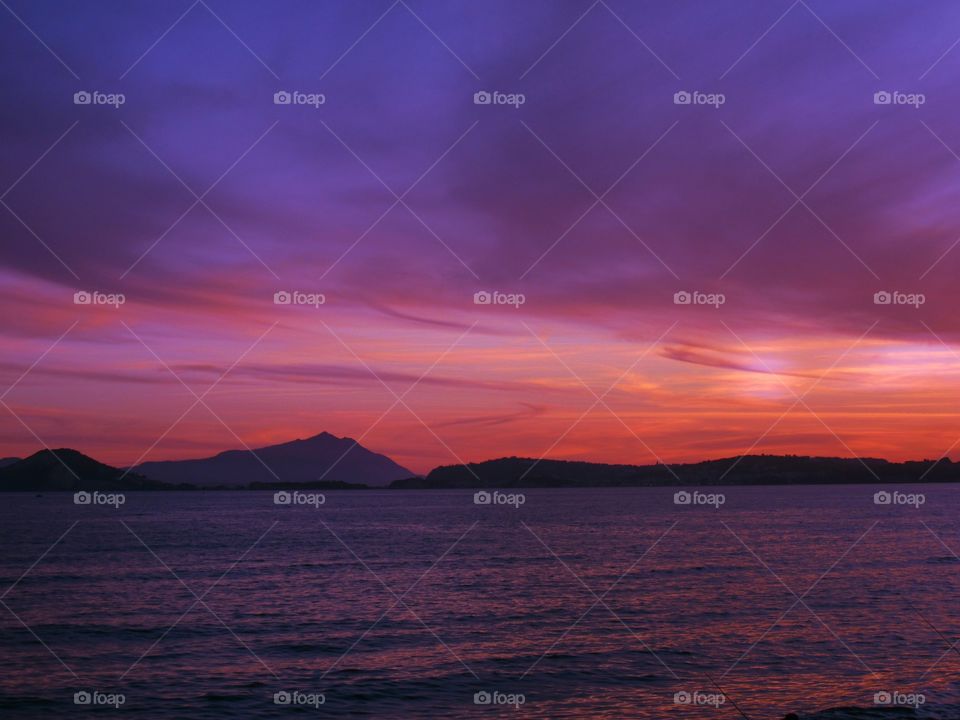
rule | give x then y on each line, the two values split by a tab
580	603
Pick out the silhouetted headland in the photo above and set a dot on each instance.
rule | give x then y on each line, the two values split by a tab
66	469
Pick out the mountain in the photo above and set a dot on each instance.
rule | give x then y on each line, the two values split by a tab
48	470
748	470
299	461
8	461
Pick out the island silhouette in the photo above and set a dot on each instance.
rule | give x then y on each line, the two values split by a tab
323	457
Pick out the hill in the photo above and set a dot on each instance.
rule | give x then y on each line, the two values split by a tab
66	469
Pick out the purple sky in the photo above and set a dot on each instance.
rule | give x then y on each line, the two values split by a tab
797	199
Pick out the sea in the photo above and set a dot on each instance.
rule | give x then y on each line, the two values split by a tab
834	601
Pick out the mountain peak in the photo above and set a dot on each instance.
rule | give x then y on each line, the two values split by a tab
321	436
323	456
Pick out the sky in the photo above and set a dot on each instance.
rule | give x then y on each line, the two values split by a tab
781	199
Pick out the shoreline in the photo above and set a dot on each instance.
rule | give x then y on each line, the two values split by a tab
474	488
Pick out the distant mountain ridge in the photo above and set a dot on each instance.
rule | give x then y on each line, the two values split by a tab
747	470
299	461
70	470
